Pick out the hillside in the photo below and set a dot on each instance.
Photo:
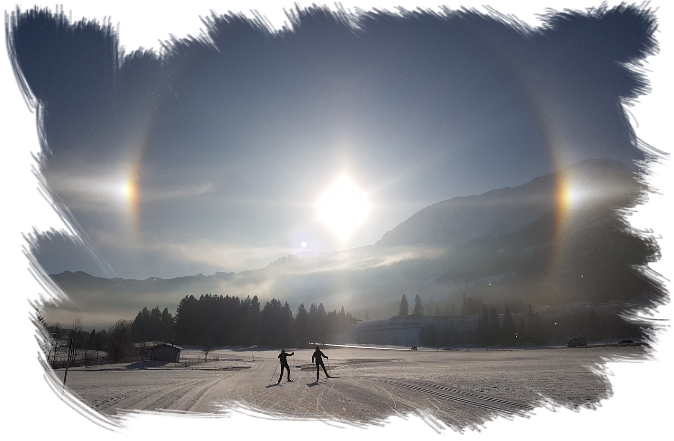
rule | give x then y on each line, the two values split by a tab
462	219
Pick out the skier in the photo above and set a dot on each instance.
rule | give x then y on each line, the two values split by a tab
284	364
319	362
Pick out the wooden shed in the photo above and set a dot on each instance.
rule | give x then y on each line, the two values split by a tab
163	352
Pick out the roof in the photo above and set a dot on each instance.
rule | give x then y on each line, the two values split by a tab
155	344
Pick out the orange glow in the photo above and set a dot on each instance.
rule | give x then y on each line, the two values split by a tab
131	193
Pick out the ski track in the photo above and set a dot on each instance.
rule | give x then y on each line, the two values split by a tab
242	405
159	428
551	417
237	404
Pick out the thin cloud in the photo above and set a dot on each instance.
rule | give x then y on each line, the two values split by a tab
228	257
44	185
175	192
353	260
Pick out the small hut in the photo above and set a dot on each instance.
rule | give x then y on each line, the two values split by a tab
163	352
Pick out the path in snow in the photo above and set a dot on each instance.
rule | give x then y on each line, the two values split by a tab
424	395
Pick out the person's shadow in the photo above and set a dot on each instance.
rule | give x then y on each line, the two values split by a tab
314	383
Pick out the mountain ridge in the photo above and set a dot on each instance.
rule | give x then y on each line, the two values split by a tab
523	254
457	227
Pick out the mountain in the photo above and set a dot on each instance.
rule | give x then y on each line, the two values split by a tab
462	219
558	238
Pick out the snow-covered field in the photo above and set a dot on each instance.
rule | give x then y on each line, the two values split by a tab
461	388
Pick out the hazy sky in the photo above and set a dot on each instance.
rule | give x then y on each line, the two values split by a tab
212	155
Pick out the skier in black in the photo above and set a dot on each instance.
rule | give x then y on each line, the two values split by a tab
284	364
319	362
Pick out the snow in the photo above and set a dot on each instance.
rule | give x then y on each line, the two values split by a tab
570	393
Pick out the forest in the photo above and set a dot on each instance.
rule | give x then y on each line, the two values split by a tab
230	321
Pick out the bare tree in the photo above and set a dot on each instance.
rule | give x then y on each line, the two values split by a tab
206	347
56	333
77	337
121	345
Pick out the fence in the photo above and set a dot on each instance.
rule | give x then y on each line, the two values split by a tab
61	363
192	361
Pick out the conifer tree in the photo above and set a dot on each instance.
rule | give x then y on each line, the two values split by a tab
166	327
483	326
508	332
321	324
302	325
535	327
494	326
404	309
418	307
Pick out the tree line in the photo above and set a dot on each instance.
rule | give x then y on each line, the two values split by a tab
492	329
32	344
207	321
511	323
530	328
216	320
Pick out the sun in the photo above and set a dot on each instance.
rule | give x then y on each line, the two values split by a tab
343	207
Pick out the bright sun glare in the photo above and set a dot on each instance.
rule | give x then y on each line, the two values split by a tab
127	189
343	207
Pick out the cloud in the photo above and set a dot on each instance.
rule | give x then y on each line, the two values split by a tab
46	185
175	192
73	185
359	259
227	256
231	257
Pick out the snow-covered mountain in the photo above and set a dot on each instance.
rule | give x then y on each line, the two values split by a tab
497	212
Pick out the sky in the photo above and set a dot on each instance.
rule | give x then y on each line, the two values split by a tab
212	153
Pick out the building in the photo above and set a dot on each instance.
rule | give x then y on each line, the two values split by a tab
159	351
401	331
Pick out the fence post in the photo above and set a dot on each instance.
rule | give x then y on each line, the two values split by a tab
65	376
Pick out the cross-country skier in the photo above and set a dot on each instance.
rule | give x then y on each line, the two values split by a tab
284	364
319	362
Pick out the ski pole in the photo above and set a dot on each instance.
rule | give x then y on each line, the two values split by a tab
272	375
